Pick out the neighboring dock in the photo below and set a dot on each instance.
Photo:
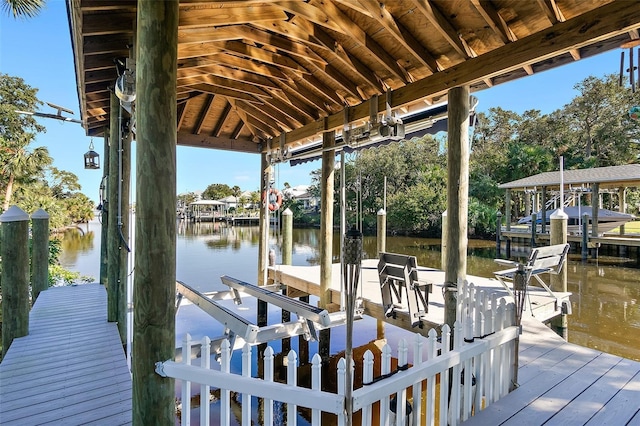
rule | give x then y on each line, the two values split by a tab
71	368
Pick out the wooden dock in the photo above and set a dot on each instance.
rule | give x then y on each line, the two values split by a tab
302	280
71	368
566	384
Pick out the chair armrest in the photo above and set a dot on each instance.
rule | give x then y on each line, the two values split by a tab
506	262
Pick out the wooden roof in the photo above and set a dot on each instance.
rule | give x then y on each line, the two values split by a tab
608	177
258	75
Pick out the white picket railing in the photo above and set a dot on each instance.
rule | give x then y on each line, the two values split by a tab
482	344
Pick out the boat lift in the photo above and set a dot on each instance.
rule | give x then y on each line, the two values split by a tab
239	330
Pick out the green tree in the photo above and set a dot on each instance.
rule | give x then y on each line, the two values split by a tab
22	8
216	191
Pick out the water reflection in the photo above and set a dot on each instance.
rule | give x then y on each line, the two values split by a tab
605	297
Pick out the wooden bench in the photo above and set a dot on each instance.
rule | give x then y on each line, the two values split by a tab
398	272
549	259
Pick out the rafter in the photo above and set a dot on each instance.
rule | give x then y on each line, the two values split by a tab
221	120
326	14
226	92
262	55
203	114
494	20
228	73
226	144
195	17
380	13
224	83
441	24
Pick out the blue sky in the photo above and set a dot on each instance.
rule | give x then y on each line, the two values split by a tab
39	51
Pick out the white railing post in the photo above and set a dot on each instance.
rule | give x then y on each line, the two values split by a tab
467	385
385	369
454	403
316	384
246	372
418	344
444	377
292	379
268	377
342	385
186	385
431	380
401	395
225	394
367	377
205	362
479	364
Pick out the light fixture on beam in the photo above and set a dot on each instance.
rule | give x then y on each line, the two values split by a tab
126	82
91	158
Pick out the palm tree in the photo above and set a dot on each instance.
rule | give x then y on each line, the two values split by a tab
22	165
22	8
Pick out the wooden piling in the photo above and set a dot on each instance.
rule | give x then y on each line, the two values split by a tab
534	228
15	275
39	253
263	246
155	248
326	217
558	235
113	239
457	195
122	220
287	236
104	213
585	237
382	231
498	234
443	238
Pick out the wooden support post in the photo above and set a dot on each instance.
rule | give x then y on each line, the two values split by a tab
595	206
15	275
507	220
585	237
443	244
263	247
113	239
558	235
104	212
122	223
39	253
155	248
457	196
287	236
543	210
622	205
382	231
326	217
534	228
498	234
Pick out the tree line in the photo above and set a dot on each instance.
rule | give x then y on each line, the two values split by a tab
593	130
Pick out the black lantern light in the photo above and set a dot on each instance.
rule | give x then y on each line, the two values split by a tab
91	158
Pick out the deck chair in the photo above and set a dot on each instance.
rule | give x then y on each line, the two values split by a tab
549	259
398	274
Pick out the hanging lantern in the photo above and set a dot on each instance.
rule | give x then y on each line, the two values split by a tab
91	158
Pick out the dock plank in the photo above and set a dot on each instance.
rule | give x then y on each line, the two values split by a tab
71	368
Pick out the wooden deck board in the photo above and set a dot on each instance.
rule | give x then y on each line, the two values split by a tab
71	368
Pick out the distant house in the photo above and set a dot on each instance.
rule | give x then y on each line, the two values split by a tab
206	210
301	194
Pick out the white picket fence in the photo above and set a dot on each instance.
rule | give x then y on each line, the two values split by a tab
482	344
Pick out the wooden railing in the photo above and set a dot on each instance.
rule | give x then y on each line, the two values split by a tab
478	358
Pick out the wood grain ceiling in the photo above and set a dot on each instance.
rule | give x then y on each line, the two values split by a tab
256	75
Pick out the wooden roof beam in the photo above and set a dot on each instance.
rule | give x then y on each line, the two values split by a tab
262	55
226	144
181	113
551	10
229	73
221	120
196	17
237	130
283	44
226	92
203	114
339	79
603	22
441	25
224	83
494	20
256	127
326	14
265	70
380	13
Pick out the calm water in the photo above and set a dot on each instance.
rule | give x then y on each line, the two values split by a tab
606	313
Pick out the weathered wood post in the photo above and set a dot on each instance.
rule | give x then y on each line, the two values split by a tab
534	228
287	236
443	244
15	275
558	235
622	206
122	219
585	237
543	210
382	231
457	196
498	232
113	239
595	206
263	247
326	217
39	253
155	249
104	213
507	221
